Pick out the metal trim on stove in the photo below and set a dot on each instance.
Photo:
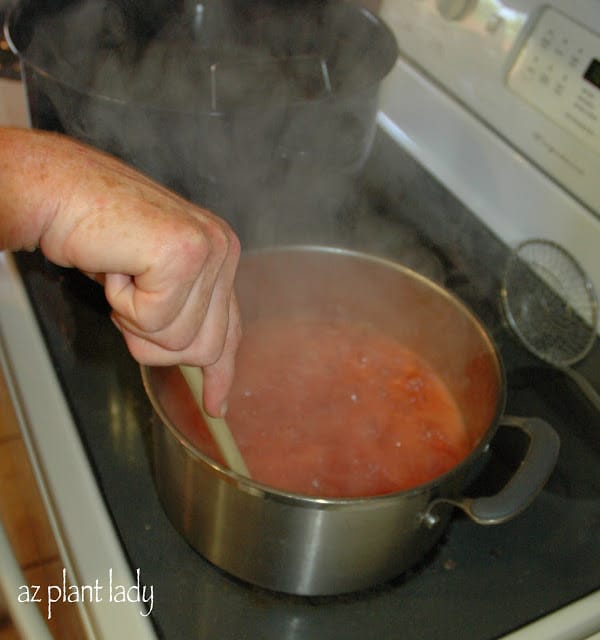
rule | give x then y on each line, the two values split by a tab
81	524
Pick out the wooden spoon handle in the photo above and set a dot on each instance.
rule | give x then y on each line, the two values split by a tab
218	427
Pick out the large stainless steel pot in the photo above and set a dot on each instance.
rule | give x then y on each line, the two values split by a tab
236	105
308	545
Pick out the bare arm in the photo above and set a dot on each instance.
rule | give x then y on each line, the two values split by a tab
167	266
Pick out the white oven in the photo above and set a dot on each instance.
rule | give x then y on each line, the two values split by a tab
501	101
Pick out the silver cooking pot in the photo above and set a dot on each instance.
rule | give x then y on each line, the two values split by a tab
318	546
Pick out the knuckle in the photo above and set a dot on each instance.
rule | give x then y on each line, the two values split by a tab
224	241
213	242
234	246
196	247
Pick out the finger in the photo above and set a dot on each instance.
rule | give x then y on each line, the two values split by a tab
155	316
150	301
214	330
218	377
147	352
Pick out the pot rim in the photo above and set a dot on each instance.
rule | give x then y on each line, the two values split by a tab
386	32
261	490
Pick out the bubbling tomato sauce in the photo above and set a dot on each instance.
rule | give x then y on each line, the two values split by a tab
333	409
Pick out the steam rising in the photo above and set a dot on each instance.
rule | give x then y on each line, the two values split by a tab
261	111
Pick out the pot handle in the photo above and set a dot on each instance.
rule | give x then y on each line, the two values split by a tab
525	484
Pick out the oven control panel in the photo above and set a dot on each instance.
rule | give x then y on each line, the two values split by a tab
528	69
558	72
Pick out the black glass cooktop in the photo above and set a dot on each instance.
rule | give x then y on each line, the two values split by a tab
479	582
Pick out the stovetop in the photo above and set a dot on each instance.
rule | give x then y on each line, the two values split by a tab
479	582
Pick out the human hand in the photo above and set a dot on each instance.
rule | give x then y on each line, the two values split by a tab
167	266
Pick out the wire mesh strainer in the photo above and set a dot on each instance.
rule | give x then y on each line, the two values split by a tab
550	304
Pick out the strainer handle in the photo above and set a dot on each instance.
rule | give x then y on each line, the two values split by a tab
584	385
524	485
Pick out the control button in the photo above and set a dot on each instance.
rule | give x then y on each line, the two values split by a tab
455	9
549	73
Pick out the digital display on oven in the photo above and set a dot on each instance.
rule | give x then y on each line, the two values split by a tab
592	73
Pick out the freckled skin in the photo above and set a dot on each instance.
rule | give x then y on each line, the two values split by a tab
167	266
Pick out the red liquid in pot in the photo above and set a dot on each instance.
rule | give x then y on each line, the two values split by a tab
333	408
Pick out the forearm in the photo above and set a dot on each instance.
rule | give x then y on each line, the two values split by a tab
87	209
28	201
68	198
